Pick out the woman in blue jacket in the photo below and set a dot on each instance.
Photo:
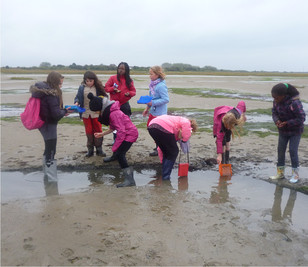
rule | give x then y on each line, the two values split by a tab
160	98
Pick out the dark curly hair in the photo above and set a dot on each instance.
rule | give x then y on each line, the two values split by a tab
282	89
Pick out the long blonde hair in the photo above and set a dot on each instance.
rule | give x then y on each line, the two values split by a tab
158	70
230	121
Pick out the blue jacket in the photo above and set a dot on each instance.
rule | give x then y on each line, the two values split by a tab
160	99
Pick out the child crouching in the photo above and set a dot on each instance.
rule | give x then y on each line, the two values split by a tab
127	133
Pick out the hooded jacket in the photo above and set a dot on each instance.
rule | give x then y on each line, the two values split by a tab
219	112
126	130
50	110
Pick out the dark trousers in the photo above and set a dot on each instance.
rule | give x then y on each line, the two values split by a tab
166	142
293	141
121	152
125	108
50	149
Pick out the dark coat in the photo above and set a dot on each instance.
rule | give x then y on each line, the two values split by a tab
50	111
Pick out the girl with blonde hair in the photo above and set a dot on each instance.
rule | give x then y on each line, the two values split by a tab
225	120
160	98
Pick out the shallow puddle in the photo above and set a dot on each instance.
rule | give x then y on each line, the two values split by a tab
263	200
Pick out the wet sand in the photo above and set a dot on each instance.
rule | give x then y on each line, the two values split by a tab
141	225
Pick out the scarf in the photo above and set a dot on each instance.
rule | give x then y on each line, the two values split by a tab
152	86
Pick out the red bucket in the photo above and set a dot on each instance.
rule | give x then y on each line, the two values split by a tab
183	169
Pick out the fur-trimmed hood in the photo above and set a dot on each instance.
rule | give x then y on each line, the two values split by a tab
41	89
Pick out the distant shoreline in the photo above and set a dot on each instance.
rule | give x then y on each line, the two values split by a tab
134	72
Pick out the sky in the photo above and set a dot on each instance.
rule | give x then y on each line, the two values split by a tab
252	35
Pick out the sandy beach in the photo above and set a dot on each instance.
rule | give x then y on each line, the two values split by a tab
141	226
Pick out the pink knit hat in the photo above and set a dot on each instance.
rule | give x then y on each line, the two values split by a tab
241	107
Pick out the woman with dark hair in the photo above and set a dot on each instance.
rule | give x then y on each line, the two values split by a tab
289	117
51	111
121	88
91	84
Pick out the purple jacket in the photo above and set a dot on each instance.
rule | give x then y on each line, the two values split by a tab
126	130
290	110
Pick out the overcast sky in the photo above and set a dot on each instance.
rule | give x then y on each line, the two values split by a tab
270	35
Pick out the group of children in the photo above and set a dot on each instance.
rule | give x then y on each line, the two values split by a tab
166	130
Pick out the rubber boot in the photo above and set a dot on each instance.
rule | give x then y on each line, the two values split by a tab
227	153
51	170
100	152
109	159
223	158
295	176
44	163
167	168
280	173
154	153
90	145
128	178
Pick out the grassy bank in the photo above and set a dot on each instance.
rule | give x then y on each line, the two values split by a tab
215	73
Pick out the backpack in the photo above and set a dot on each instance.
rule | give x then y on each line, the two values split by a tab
30	118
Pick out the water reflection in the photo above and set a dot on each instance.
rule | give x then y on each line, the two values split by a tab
277	214
51	188
220	193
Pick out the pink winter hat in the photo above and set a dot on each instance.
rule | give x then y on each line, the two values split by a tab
241	106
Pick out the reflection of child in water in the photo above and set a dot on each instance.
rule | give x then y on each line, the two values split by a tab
221	195
276	210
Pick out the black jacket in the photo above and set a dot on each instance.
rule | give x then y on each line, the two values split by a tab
50	111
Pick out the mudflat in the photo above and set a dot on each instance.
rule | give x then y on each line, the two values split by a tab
142	225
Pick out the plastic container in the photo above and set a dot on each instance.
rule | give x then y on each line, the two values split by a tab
144	99
75	108
225	169
183	169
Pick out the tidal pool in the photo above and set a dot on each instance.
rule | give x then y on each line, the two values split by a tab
265	201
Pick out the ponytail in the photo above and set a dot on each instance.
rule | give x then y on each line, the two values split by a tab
282	89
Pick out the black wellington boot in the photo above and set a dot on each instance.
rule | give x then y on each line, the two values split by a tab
109	159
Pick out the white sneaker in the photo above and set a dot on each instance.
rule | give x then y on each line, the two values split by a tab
293	180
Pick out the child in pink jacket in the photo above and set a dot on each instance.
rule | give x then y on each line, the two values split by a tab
225	120
127	133
166	130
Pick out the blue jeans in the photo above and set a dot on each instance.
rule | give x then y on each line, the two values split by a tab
293	149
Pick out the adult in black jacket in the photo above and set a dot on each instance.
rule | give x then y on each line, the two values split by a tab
51	112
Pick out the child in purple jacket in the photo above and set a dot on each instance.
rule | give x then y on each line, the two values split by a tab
127	133
289	117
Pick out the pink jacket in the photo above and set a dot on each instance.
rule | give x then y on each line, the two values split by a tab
126	130
174	124
219	112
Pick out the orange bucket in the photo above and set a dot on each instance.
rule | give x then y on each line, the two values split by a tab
183	169
225	170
